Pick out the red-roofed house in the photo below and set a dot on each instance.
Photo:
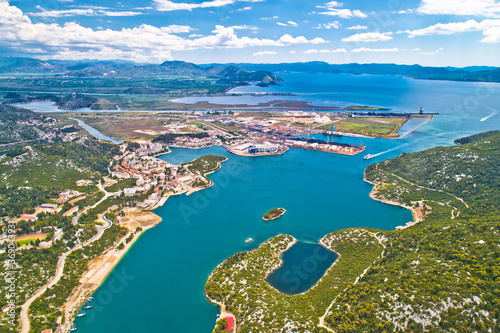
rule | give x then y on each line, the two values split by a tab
28	217
47	330
71	211
230	324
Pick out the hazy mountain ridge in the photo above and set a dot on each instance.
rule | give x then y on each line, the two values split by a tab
471	73
123	69
238	72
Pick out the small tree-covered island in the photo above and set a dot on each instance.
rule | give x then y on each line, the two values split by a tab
274	214
441	274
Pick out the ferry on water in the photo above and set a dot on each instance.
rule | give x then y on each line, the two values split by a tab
369	156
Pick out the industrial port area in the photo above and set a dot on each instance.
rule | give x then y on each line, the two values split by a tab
261	133
274	133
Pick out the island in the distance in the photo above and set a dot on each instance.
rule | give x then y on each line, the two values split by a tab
274	214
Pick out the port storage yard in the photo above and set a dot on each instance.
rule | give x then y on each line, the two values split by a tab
329	147
267	148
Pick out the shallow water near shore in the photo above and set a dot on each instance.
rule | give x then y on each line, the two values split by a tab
168	266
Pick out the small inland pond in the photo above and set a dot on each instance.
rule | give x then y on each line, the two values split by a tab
303	265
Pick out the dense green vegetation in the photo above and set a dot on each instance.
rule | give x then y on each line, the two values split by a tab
15	201
441	275
273	213
122	184
159	84
475	137
58	165
221	325
206	164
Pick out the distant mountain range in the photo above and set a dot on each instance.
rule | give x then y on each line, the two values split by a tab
238	72
225	73
472	73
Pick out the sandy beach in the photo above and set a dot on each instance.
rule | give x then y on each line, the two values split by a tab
100	267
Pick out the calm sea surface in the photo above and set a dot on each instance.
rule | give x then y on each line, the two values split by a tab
158	286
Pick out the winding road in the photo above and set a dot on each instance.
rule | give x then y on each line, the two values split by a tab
25	322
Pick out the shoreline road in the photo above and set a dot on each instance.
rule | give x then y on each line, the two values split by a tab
25	322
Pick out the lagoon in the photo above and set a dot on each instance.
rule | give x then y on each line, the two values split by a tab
304	264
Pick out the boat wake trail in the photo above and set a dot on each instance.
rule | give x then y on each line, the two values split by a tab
494	113
389	150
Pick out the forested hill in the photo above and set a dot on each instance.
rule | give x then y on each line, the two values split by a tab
470	171
56	165
443	274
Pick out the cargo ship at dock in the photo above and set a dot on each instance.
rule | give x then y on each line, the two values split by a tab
328	147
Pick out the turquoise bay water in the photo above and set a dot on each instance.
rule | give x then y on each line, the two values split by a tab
303	265
158	286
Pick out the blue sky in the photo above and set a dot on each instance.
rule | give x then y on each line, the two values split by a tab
426	32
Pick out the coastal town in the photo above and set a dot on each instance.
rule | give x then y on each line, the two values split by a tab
78	217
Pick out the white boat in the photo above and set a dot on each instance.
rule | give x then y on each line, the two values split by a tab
80	314
72	329
369	156
87	307
249	240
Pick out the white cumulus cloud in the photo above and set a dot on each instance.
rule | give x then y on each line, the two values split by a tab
333	9
358	27
431	52
331	25
142	43
312	51
167	5
81	12
263	53
489	28
288	24
486	8
369	37
367	49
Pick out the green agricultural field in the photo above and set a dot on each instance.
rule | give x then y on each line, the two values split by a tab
25	240
369	126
